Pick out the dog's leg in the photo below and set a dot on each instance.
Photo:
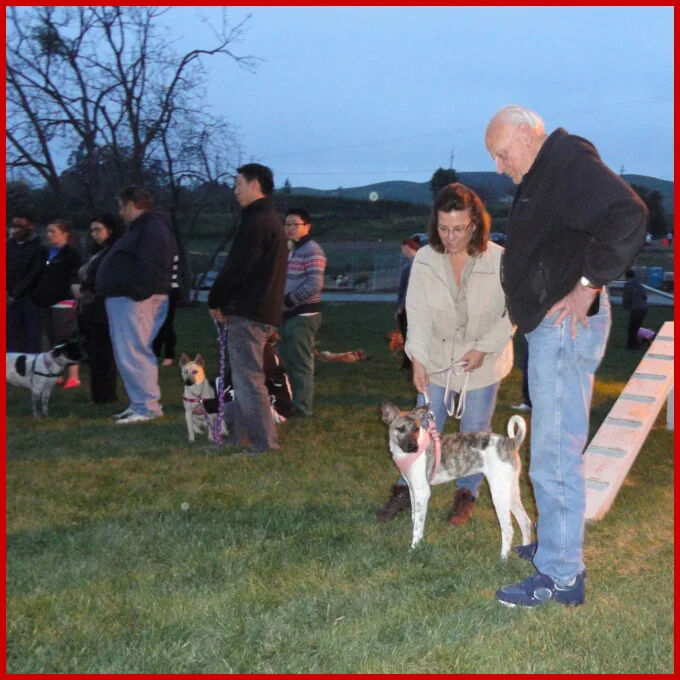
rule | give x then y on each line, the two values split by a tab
213	419
420	496
190	424
519	512
36	402
500	478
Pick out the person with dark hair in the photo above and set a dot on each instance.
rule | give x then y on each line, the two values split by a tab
573	227
460	334
53	292
247	296
167	338
251	172
135	278
301	309
105	230
25	262
634	300
409	248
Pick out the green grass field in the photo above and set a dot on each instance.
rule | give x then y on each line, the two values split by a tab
278	566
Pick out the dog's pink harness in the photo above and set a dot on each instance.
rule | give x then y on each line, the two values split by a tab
198	410
424	439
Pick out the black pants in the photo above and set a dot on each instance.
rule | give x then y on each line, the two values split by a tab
166	335
102	362
403	327
24	326
635	320
525	374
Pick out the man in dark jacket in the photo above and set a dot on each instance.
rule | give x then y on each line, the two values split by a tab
135	278
25	263
248	297
573	227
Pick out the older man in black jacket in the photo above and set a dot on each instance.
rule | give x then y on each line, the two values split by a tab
248	296
574	226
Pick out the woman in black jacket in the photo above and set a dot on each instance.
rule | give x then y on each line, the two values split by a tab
53	292
105	230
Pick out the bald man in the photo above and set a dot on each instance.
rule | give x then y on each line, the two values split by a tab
573	227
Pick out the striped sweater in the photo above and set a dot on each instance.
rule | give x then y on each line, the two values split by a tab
304	280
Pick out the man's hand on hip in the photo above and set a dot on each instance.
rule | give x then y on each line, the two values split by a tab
575	305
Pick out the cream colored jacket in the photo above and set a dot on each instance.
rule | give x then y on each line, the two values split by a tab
434	337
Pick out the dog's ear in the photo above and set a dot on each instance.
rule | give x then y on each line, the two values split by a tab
199	360
388	411
420	413
184	359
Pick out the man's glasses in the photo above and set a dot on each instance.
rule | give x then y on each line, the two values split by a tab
458	231
295	224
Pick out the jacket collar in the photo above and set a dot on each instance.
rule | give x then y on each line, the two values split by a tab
257	205
545	152
481	264
305	239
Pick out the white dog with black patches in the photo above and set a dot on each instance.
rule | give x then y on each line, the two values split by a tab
414	450
40	372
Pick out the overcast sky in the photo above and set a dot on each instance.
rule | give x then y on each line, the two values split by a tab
348	96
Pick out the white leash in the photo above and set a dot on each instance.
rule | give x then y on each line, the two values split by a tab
455	369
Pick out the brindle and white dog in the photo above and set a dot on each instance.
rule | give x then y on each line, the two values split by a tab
40	372
199	398
462	454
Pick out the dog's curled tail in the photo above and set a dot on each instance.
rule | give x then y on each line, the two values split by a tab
517	430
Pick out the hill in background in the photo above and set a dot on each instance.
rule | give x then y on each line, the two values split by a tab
489	185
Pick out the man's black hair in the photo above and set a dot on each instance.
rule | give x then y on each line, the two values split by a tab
301	213
261	173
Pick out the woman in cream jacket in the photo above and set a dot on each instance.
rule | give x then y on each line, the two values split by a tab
460	334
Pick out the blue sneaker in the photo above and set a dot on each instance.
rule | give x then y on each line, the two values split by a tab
526	552
540	588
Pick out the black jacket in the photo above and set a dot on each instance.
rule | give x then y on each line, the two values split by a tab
571	217
140	262
57	276
25	262
253	279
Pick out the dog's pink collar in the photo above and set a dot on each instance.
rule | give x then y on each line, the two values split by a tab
424	438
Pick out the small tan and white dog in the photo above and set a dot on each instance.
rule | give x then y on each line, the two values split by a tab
197	391
497	457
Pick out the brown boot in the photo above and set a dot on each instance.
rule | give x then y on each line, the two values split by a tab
462	507
398	501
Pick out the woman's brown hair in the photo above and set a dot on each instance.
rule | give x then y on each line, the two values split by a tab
458	197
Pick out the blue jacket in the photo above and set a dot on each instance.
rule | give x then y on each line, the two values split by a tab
140	262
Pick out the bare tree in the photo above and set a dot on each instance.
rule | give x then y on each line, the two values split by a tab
104	86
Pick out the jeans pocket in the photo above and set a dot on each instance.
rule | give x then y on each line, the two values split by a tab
591	342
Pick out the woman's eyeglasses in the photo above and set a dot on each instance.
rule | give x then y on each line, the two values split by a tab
458	231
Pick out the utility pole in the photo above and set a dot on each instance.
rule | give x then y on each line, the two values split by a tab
451	160
622	170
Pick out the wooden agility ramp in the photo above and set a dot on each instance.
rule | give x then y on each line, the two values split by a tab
616	444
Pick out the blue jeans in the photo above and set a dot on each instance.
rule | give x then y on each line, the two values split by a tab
561	376
252	414
133	326
479	407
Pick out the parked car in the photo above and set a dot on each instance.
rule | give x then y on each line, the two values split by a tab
498	237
